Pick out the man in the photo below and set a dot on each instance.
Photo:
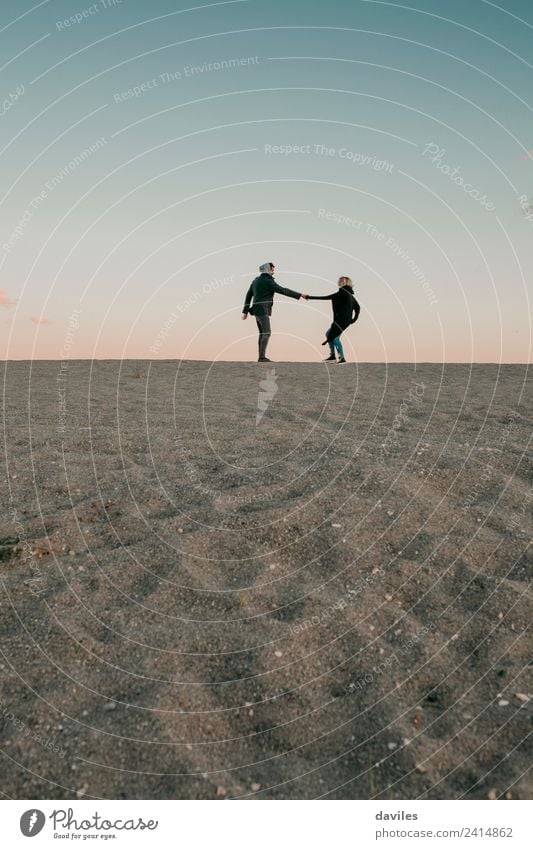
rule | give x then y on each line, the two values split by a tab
262	291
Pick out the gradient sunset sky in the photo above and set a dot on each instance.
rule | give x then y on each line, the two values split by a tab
148	166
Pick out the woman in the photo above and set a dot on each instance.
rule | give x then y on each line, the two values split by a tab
345	312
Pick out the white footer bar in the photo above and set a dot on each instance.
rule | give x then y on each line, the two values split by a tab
268	824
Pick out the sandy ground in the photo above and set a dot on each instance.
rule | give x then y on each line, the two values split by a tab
329	599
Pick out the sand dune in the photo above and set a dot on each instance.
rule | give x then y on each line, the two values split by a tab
330	601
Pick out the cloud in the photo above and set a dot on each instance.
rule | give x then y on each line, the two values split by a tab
40	319
4	300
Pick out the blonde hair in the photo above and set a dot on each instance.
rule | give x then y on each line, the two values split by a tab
344	281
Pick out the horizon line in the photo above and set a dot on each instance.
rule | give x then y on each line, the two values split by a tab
275	362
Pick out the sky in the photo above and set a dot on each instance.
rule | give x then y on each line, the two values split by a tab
153	155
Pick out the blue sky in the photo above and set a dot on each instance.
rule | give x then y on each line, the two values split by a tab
152	156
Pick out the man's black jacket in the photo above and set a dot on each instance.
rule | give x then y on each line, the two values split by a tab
345	306
262	290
